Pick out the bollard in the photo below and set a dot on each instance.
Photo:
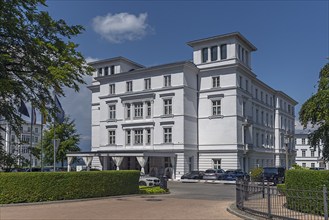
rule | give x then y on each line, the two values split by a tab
163	182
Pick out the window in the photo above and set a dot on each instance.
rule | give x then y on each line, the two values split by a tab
257	115
138	136
257	140
204	55
112	70
262	139
303	164
312	165
28	129
215	82
138	110
99	72
240	81
266	119
128	136
148	110
112	112
106	71
262	118
167	105
216	163
214	55
312	153
223	51
261	96
244	109
128	111
36	139
111	137
247	85
256	93
303	140
12	138
266	99
239	52
112	89
147	83
167	81
148	136
129	86
303	153
36	130
216	107
167	133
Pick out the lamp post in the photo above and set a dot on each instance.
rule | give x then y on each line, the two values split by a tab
287	141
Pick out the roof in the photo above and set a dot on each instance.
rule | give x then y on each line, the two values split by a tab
120	58
218	37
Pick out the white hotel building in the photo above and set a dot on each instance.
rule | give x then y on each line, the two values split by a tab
212	112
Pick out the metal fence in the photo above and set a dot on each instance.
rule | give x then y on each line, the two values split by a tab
270	202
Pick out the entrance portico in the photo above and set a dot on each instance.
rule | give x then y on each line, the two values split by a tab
149	162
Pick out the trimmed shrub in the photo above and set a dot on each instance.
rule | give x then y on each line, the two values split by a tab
304	190
152	190
281	188
256	174
44	186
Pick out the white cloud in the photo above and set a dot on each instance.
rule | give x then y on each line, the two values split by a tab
91	59
121	27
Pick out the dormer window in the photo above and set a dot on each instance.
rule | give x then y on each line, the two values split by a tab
99	72
204	55
223	51
106	71
214	53
112	70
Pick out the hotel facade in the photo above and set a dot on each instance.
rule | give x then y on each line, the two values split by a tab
212	112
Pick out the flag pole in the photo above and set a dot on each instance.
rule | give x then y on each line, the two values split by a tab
54	138
32	120
41	156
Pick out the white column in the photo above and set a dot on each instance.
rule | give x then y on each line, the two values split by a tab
69	162
173	163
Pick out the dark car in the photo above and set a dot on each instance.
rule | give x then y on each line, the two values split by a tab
236	174
273	174
193	175
213	174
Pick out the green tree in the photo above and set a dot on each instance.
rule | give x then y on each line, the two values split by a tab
37	56
315	111
68	137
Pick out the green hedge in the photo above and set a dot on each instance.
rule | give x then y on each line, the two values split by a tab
256	174
152	190
44	186
304	190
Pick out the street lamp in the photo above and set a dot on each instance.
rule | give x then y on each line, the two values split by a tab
287	141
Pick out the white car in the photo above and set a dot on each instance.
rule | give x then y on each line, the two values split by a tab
146	180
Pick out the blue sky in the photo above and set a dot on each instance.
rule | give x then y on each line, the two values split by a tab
291	37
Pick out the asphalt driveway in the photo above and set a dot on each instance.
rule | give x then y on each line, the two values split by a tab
187	201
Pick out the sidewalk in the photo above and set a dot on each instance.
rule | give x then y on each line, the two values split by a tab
125	207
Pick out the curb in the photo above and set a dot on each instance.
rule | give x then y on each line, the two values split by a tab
241	214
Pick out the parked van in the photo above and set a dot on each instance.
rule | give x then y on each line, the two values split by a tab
273	174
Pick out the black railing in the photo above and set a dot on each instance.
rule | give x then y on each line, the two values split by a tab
270	202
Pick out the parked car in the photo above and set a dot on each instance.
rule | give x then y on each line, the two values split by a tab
235	174
193	175
146	180
213	174
273	174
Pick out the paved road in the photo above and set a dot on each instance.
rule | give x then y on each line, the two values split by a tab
187	201
203	191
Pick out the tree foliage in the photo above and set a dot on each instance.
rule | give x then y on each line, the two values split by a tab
37	56
315	111
8	160
69	141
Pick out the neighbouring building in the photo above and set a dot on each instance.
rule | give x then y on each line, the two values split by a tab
307	156
212	112
21	146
